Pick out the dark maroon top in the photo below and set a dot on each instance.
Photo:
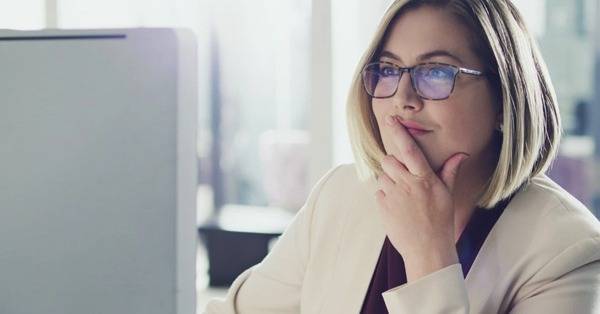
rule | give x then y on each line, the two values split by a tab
390	272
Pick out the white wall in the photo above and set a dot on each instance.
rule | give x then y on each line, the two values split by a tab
353	24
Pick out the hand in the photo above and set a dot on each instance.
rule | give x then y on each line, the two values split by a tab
416	204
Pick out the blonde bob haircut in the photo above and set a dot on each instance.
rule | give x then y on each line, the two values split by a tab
531	119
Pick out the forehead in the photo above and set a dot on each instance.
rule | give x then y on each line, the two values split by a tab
425	29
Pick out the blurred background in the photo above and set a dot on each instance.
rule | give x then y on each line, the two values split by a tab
273	77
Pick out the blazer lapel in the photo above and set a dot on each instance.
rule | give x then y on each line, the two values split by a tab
361	243
484	272
484	275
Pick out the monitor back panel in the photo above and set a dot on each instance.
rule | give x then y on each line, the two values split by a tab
88	173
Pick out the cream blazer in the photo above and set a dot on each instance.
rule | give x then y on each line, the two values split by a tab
542	256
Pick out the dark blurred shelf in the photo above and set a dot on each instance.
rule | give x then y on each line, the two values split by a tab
239	238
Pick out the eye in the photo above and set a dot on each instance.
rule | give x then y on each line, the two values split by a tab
386	70
440	73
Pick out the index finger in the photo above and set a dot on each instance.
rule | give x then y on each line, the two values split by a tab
411	154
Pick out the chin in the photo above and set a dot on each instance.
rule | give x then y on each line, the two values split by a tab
435	164
436	160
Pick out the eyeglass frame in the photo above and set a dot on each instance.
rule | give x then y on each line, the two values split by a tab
458	70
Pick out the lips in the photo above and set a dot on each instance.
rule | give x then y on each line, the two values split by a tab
416	131
413	127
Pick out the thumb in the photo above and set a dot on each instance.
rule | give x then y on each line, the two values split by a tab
450	169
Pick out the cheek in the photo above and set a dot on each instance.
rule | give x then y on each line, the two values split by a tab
474	119
379	110
469	130
461	129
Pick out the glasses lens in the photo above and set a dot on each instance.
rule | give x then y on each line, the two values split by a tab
434	81
381	80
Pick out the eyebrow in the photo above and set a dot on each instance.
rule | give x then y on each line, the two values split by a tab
425	56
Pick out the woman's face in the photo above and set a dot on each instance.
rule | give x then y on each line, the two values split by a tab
464	122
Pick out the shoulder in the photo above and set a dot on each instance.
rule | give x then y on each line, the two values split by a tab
340	197
545	232
342	184
558	211
343	173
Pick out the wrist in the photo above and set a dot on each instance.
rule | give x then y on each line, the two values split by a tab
419	265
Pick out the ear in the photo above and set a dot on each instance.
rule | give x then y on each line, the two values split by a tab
499	118
499	115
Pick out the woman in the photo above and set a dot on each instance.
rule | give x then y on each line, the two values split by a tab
453	121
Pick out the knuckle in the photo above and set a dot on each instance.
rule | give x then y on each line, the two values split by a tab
379	196
384	179
385	160
425	181
410	149
389	161
380	179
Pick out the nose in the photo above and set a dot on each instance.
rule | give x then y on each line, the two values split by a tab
406	98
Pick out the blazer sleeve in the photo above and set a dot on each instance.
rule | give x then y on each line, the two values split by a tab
274	285
441	292
570	283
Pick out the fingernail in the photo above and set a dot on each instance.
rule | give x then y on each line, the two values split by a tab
390	120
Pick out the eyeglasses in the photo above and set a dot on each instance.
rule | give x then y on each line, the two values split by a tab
431	81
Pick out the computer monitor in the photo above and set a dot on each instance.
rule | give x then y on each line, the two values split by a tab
98	171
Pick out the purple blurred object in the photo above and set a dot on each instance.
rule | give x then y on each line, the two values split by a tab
574	168
284	156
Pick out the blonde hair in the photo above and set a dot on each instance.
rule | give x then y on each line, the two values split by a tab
531	119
